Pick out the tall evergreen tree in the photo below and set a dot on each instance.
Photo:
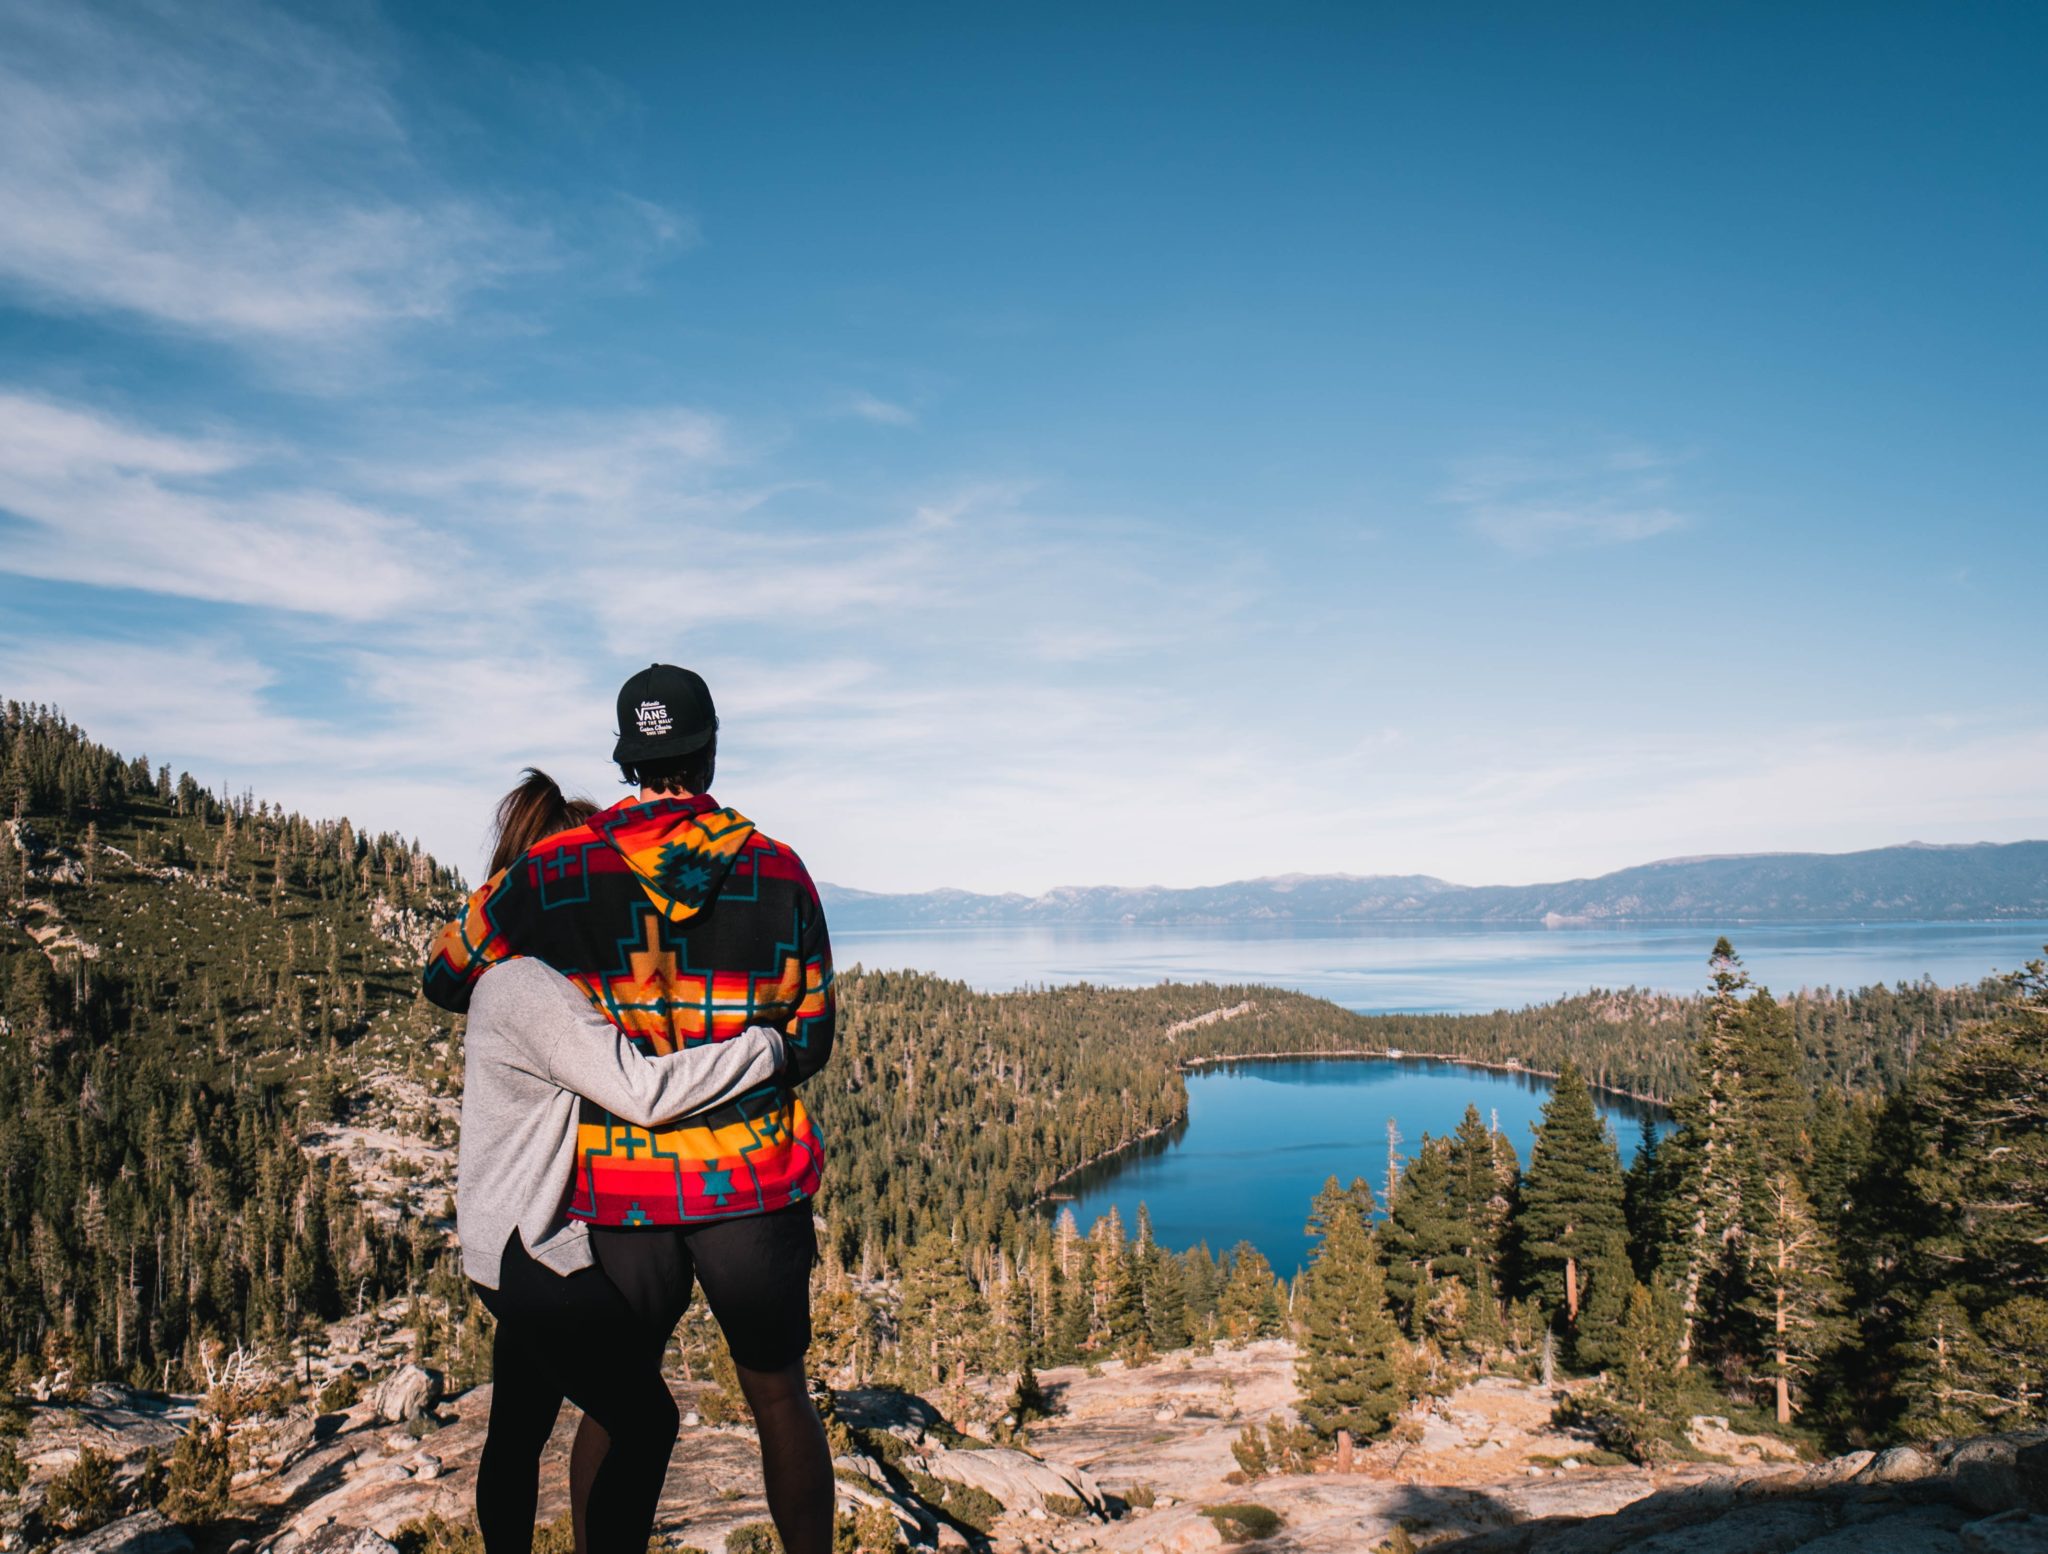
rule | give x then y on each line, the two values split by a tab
1795	1291
1979	1119
1711	1156
1332	1196
1980	1115
1247	1306
1776	1099
1350	1364
1947	1379
1483	1173
1644	1372
944	1321
1571	1200
1597	1339
1421	1242
1160	1290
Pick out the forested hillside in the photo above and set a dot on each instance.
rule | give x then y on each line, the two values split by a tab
192	981
197	985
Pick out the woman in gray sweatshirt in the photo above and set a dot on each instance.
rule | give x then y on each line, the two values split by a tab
533	1047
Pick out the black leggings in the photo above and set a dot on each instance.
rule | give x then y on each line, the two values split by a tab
572	1336
755	1271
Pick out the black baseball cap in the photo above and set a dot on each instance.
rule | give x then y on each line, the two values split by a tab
664	712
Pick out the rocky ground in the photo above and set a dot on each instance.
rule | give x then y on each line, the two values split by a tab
1131	1463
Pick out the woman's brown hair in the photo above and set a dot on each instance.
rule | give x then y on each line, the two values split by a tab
533	810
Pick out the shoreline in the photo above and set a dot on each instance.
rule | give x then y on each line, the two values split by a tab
1051	1194
1402	1054
1048	1196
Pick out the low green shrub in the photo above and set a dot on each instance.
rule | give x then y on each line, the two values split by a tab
753	1538
82	1496
965	1504
435	1534
1635	1434
343	1391
1244	1523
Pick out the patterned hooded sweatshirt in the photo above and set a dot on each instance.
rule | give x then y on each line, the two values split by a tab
682	924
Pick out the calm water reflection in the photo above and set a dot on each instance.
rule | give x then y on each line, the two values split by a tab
1261	1137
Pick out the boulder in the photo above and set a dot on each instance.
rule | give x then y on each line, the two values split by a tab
146	1532
1749	1529
2031	1464
2014	1532
916	1524
1838	1470
1925	1529
1986	1475
862	1466
1898	1465
406	1394
1019	1480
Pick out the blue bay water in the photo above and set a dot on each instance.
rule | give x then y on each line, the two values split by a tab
1262	1137
1380	969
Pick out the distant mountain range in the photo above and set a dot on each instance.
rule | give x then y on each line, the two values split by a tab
1916	882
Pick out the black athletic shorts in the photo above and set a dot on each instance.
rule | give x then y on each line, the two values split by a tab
756	1273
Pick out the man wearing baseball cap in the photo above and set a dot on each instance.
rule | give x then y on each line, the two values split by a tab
684	924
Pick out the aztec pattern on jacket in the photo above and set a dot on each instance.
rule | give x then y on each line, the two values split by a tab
681	924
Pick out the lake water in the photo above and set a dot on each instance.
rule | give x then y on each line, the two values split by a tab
1414	968
1261	1137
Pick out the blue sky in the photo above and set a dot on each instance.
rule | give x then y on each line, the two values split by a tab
1080	444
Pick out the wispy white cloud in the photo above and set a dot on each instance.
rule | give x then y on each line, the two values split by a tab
883	412
1529	504
230	171
977	496
107	503
641	464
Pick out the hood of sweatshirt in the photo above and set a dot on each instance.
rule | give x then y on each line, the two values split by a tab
681	849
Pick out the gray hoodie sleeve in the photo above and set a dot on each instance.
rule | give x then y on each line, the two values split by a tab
580	1050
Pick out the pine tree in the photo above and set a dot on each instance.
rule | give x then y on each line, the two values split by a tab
1486	1331
1841	1140
1119	1313
1571	1202
1644	1373
1350	1366
1977	1119
1643	1189
1073	1319
1246	1305
1712	1156
1483	1172
1775	1095
1332	1196
944	1318
1160	1291
1795	1289
1203	1283
1597	1339
1980	1116
1947	1379
1421	1241
197	1483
